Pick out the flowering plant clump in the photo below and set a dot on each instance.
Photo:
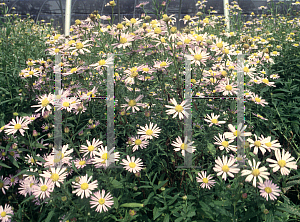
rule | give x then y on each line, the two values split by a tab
141	163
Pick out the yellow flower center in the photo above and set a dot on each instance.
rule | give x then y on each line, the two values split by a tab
214	121
18	126
31	184
32	160
132	165
187	41
197	57
12	180
66	104
56	50
157	30
105	156
101	62
101	201
225	143
1	185
187	17
162	39
255	172
257	143
82	162
138	142
132	103
73	70
183	146
119	26
265	81
91	148
228	87
220	45
163	64
281	163
45	102
237	133
257	99
3	214
178	108
149	132
84	186
123	40
145	69
205	180
225	168
46	127
246	69
12	153
268	190
31	72
54	177
79	45
3	154
268	144
44	188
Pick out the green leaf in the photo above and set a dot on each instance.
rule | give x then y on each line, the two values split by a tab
211	148
289	209
132	205
4	165
167	218
50	215
116	184
156	213
14	162
148	199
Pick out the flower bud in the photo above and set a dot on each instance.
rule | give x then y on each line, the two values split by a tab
244	195
80	133
90	121
184	197
138	174
132	212
67	130
77	179
147	113
228	186
162	189
135	188
15	114
35	133
266	211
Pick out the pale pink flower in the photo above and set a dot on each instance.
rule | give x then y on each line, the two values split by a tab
104	158
257	144
258	100
44	103
223	144
137	143
199	56
132	164
91	148
18	125
4	213
133	103
237	133
226	87
4	184
269	190
43	189
206	181
57	175
101	201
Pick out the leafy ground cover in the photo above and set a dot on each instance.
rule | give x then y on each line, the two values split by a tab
149	183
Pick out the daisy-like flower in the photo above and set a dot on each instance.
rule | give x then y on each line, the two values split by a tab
4	184
91	148
12	180
105	157
44	103
237	133
133	103
162	64
255	172
83	187
283	162
269	190
43	189
178	109
56	156
271	145
132	165
226	167
183	146
206	181
18	125
213	119
137	143
103	63
227	88
32	117
81	163
257	144
199	56
68	103
149	132
124	41
258	100
26	185
4	213
80	47
223	144
101	201
57	175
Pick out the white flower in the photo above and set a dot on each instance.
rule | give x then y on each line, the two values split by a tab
178	109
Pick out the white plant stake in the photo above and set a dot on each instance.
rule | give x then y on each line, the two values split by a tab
67	17
226	14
